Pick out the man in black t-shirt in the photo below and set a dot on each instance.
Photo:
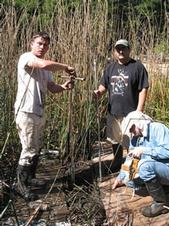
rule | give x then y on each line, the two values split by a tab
126	81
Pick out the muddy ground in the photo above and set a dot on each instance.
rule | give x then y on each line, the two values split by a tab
61	200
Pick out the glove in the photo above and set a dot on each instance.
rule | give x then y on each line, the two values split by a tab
136	152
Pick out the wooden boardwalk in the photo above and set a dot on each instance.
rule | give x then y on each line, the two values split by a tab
123	206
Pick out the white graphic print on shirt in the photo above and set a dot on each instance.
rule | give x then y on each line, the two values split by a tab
119	82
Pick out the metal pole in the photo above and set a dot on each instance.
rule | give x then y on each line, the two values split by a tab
98	122
74	78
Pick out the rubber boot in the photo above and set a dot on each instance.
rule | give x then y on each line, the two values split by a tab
115	164
118	157
32	180
22	183
159	199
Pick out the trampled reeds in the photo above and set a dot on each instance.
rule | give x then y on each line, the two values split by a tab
81	35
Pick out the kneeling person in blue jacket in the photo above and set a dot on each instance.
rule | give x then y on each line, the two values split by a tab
149	142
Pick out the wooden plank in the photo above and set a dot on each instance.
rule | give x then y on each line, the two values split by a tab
123	206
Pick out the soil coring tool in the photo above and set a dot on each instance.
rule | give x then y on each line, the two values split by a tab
70	147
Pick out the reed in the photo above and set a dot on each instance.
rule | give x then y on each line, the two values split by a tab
80	35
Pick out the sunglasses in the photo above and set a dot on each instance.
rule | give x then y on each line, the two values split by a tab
119	48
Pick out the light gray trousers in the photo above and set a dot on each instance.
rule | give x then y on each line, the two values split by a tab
30	129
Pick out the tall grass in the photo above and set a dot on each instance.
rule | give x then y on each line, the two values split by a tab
78	37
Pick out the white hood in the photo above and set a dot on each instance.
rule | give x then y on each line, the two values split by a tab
137	118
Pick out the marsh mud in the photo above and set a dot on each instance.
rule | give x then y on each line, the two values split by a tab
71	196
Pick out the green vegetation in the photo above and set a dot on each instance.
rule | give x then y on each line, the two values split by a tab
81	32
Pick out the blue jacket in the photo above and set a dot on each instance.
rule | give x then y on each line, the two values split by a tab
156	143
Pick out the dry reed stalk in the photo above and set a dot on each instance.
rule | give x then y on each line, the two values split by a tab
78	37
